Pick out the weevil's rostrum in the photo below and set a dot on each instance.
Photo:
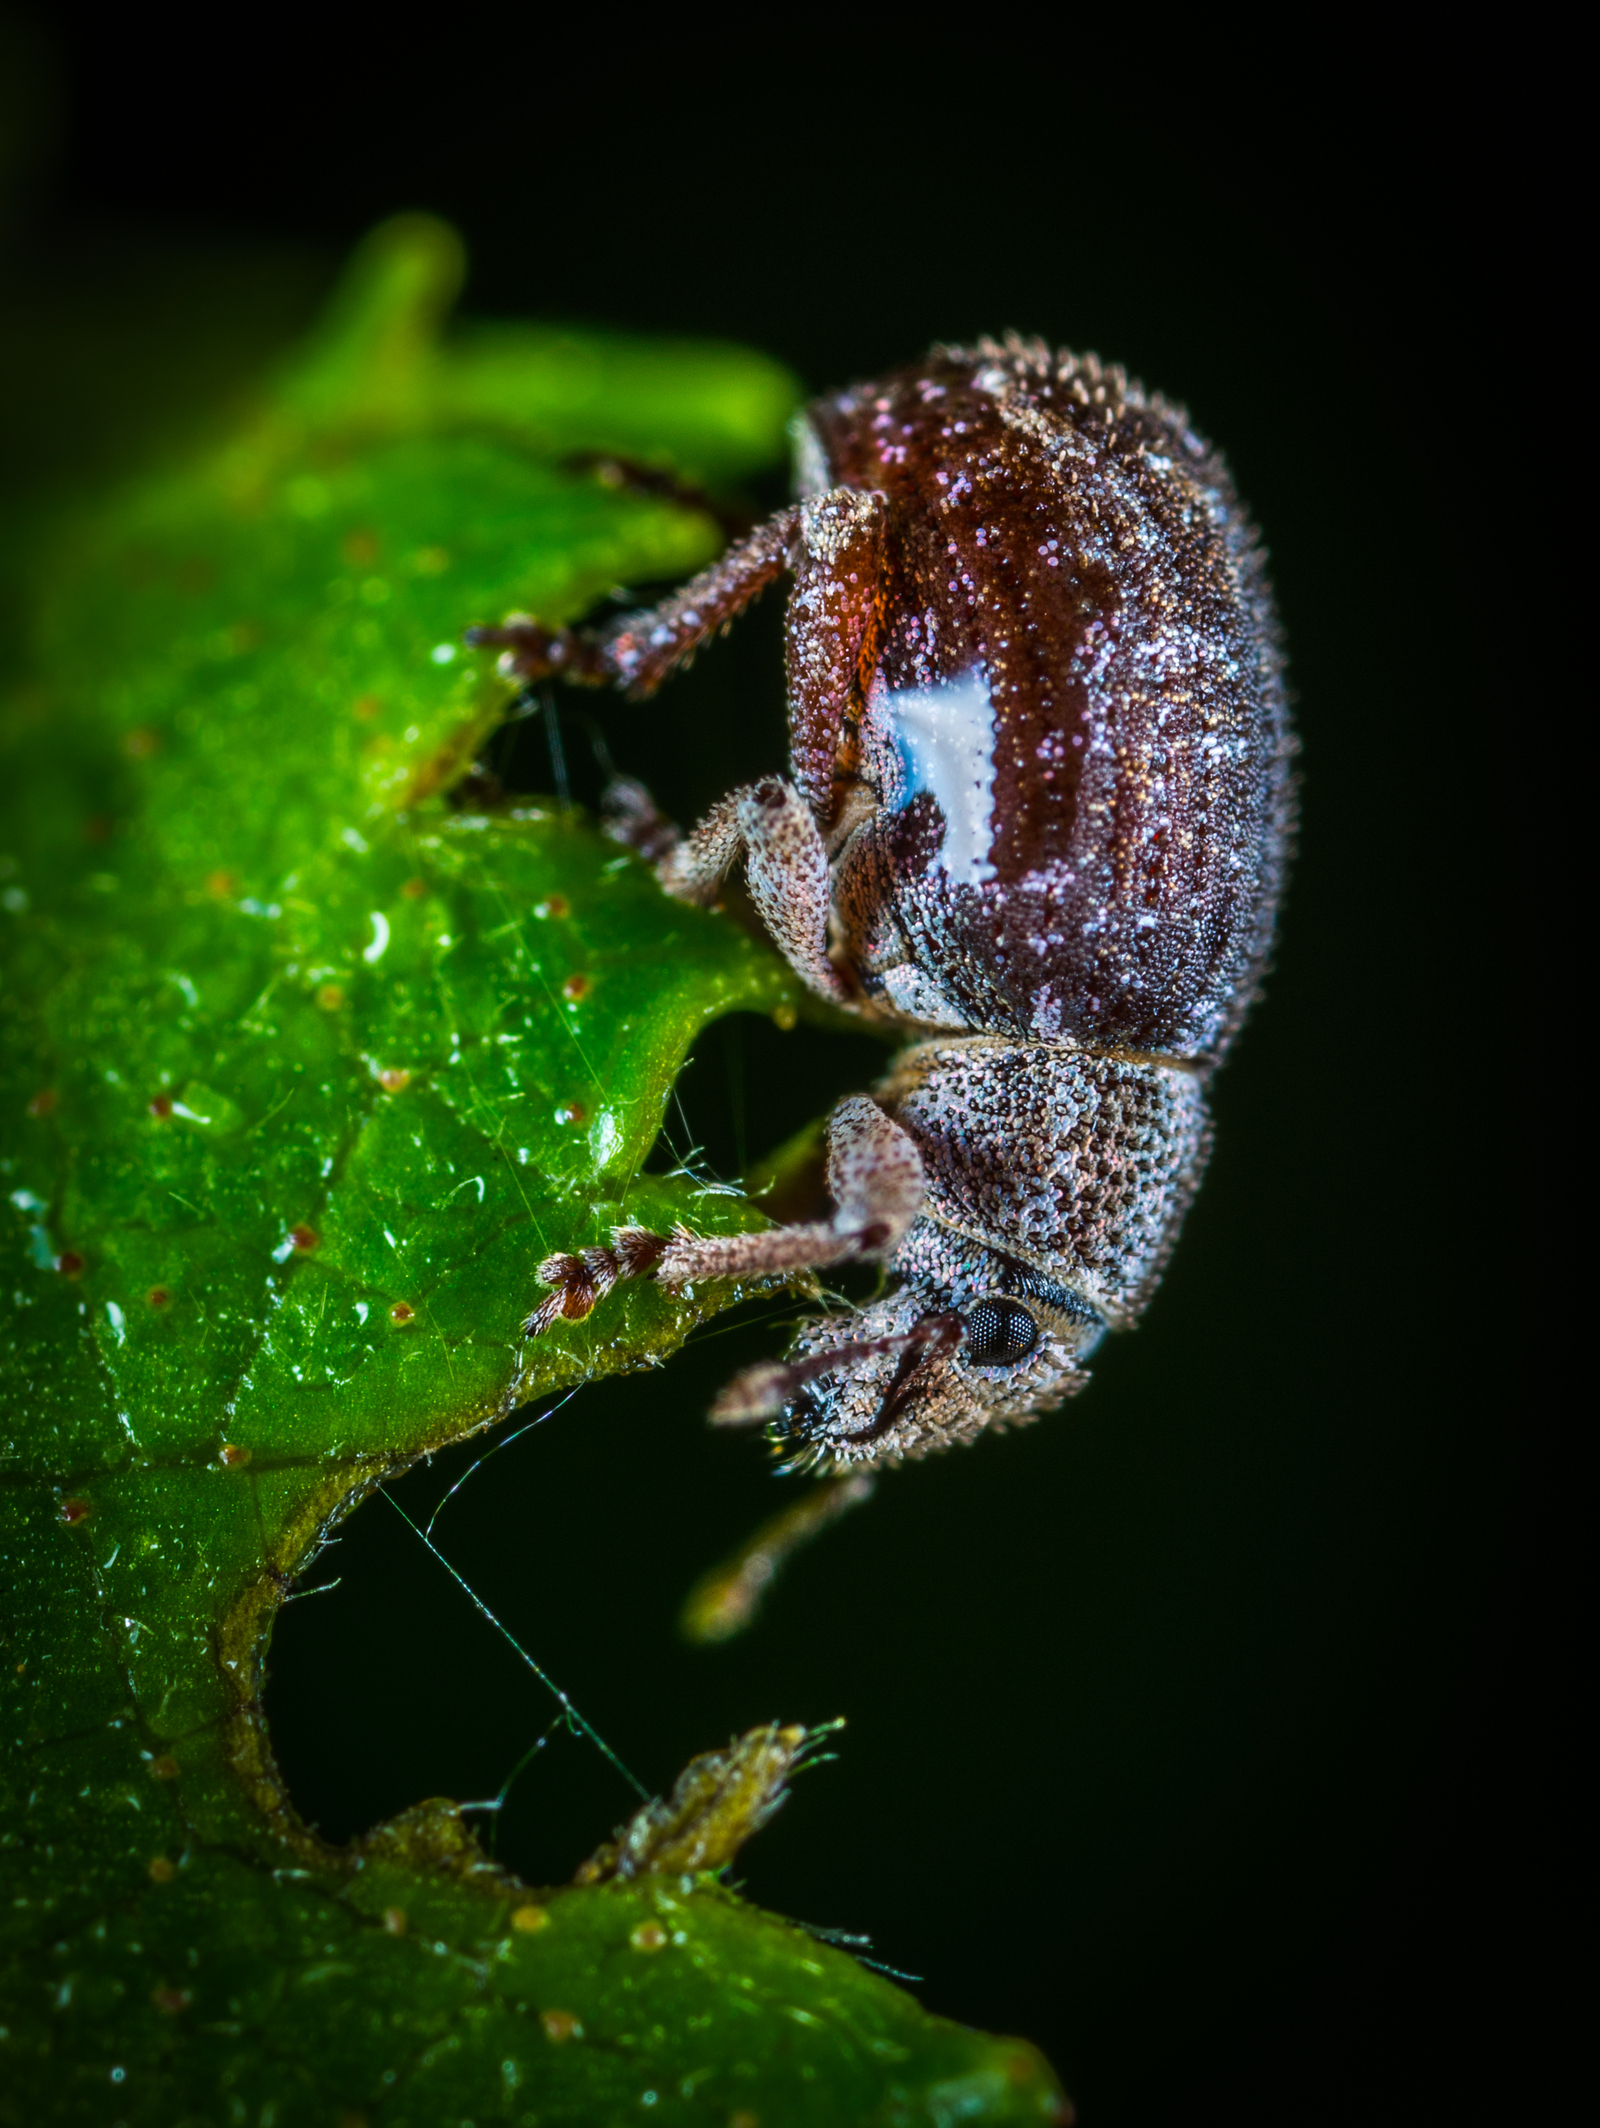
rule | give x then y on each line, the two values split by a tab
1036	815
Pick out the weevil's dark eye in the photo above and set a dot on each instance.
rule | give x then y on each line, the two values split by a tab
999	1332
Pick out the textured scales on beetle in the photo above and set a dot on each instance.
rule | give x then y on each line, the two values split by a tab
1036	815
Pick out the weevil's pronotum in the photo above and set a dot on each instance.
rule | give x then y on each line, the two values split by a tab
1036	816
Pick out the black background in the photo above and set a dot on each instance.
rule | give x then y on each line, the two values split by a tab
1177	1724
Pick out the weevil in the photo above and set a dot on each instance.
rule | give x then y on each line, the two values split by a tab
1035	819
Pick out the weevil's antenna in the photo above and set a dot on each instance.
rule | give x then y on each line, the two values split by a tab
761	1392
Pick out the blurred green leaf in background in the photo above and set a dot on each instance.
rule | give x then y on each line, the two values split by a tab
309	1054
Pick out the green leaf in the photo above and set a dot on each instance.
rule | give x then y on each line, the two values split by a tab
304	1067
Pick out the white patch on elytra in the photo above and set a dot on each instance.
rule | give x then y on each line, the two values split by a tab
945	738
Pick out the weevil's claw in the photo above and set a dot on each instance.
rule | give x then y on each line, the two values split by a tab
529	652
573	1296
549	1310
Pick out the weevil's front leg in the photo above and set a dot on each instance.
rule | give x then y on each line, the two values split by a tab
875	1178
786	869
639	650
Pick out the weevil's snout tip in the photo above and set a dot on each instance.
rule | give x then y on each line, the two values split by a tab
759	1393
832	1390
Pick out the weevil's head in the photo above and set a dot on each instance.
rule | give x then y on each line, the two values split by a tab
932	1364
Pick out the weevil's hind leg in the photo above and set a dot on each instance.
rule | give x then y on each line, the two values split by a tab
726	1600
876	1181
615	471
638	650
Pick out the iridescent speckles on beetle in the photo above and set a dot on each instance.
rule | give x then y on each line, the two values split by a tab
1036	816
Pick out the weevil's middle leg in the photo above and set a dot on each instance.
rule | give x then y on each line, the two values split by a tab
876	1180
637	651
786	870
770	826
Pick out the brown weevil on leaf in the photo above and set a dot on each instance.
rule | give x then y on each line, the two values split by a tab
1036	816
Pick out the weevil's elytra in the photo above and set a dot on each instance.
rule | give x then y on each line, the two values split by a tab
1036	815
